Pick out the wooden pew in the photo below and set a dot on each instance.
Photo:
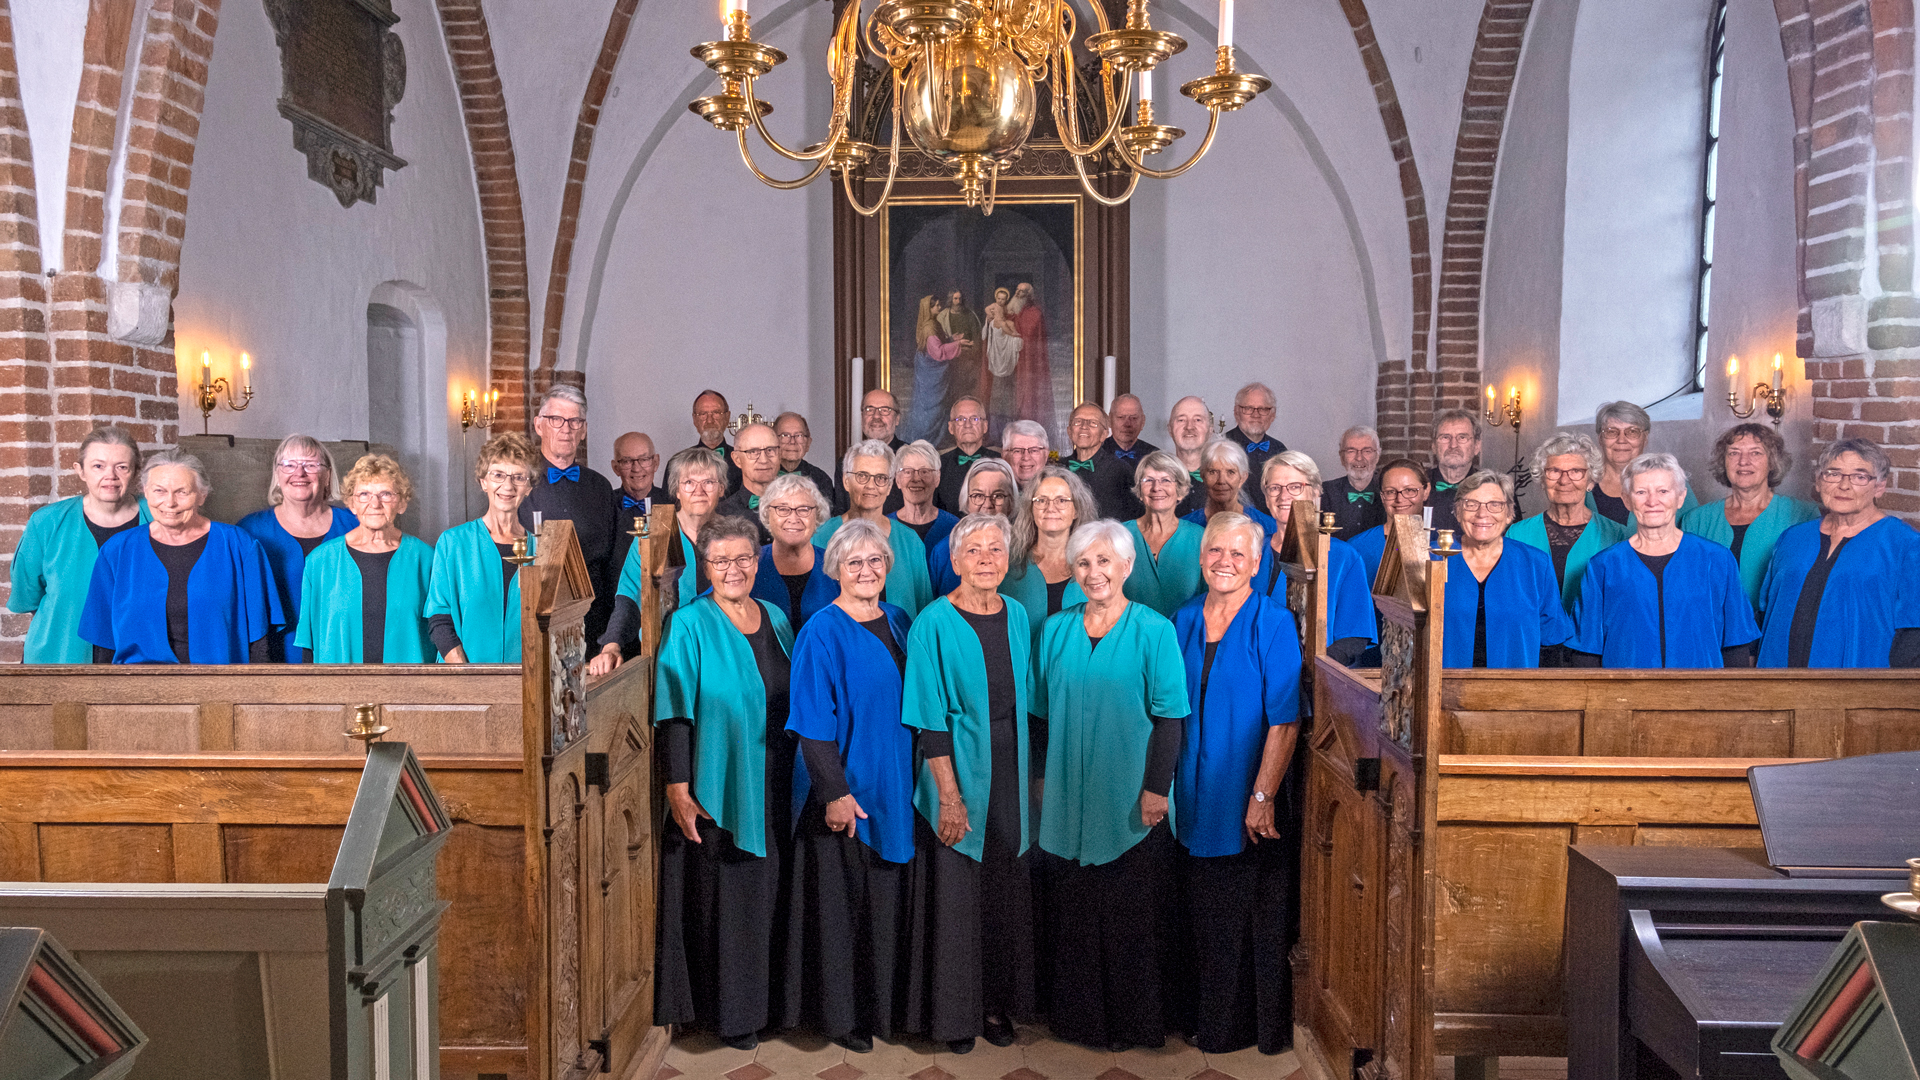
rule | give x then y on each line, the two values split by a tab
1440	804
245	775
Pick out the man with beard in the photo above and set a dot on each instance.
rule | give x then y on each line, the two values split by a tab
1253	409
1188	425
1456	444
1033	379
960	323
711	414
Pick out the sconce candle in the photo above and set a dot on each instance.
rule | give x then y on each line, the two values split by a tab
1776	373
246	373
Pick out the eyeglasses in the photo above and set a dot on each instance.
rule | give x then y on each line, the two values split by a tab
791	511
1412	493
968	421
875	563
1621	431
1053	502
1552	473
878	410
514	478
568	423
1156	480
917	474
742	563
988	498
381	498
1256	410
1843	479
869	479
1470	507
699	483
1457	440
303	467
1291	491
1084	423
764	453
634	462
794	436
1023	451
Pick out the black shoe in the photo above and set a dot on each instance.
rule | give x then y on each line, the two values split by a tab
856	1042
748	1041
960	1046
999	1032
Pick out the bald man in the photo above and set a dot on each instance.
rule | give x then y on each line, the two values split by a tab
1188	425
635	463
756	450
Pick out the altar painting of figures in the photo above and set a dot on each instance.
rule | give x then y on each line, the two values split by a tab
985	306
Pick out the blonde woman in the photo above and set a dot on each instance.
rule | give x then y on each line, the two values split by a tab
300	516
473	599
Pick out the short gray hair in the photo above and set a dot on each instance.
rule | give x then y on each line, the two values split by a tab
178	458
1217	448
697	458
1105	531
1867	449
924	449
987	465
1450	415
1032	429
1300	463
1240	395
853	533
1621	410
562	392
1360	429
1161	461
1231	521
1567	442
790	483
1647	463
1477	480
305	444
867	448
975	523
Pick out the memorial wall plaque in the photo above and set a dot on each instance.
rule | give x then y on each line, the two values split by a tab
342	71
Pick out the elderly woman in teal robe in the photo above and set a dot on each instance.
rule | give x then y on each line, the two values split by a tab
298	518
721	708
363	597
473	596
1166	565
867	472
53	564
1750	459
697	479
1054	503
1569	530
1111	683
970	970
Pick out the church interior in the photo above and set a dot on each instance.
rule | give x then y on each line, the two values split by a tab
405	230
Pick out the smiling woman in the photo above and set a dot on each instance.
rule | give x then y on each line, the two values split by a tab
299	518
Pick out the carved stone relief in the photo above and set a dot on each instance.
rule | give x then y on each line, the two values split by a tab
342	71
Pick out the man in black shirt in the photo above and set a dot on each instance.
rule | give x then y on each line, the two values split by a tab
1253	409
1456	445
756	450
711	415
967	423
564	488
796	438
636	463
1088	458
1128	419
879	418
1354	499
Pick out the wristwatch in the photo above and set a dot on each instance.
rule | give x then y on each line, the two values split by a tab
1259	796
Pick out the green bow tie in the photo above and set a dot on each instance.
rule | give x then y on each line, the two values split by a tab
1197	478
1080	466
1359	496
753	502
964	460
1442	485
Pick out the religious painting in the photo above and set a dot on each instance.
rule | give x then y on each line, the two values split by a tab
987	305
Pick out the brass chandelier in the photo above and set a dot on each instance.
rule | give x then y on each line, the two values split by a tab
964	76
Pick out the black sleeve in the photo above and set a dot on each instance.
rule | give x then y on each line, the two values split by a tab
1037	745
1906	648
306	656
824	769
936	744
623	627
677	734
1346	652
1741	656
1578	659
440	629
103	655
257	652
1163	753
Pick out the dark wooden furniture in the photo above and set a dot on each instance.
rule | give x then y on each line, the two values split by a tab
56	1023
1860	1019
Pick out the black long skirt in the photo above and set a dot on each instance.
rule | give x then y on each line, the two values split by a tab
1238	908
1106	929
716	934
844	933
970	934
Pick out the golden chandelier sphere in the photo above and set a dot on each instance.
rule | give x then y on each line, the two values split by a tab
975	98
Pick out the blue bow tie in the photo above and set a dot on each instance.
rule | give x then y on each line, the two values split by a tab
1264	446
1126	455
627	502
571	472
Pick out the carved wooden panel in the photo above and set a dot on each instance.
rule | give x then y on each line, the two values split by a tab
26	727
280	854
1499	899
164	729
343	70
1710	733
1879	731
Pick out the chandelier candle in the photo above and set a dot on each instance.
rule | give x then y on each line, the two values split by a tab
1226	23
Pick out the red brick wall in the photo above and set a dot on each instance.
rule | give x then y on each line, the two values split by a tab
26	437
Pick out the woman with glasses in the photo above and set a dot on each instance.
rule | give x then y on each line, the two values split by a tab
473	598
1570	531
1663	598
299	518
989	488
365	593
1223	472
1751	459
53	564
1840	591
696	477
1503	600
1289	477
1622	428
854	838
1166	563
1053	505
721	709
793	571
916	471
1403	492
868	473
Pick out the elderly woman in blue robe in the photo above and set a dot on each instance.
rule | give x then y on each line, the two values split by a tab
364	595
1841	591
1289	477
793	569
299	517
854	838
1751	460
473	596
721	706
1240	864
1503	602
1045	514
1111	684
867	472
970	969
1663	598
1569	530
53	563
182	590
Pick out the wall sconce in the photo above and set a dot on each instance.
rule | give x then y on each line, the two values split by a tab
479	409
741	421
207	394
1775	395
1508	415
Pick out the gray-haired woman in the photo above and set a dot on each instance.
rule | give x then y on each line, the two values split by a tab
1622	428
867	472
916	473
298	518
794	573
1166	568
53	564
1569	530
1224	470
1503	604
989	488
1751	459
1045	514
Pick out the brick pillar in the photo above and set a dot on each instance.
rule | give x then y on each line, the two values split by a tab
26	437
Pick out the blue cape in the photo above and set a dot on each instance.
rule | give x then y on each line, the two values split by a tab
231	601
284	555
1350	611
1601	532
1620	612
1870	593
770	587
1523	609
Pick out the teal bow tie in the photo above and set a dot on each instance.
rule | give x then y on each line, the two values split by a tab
1359	496
1442	485
1080	466
753	502
967	459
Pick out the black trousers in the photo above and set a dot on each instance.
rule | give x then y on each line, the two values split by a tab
1239	909
716	942
970	932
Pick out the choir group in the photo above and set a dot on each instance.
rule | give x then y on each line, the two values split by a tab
958	739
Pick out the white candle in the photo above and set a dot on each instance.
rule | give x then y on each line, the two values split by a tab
1776	371
1109	380
857	381
1146	87
246	373
1226	23
728	7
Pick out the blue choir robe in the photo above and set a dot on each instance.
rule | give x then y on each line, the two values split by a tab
1254	686
908	585
846	691
1371	546
1621	610
1523	609
332	594
1782	513
467	585
284	555
770	587
1601	533
946	690
937	532
231	601
940	566
1166	582
1099	702
706	673
1870	594
1029	586
1350	611
1267	523
52	568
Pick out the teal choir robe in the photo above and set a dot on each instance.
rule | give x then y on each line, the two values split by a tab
770	587
1349	591
1870	594
1682	620
1029	586
1254	685
1099	701
1166	582
284	555
908	586
846	691
707	674
52	567
331	595
634	567
946	690
1601	533
469	585
1524	613
230	596
1782	513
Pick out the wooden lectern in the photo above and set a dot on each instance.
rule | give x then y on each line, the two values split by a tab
55	1021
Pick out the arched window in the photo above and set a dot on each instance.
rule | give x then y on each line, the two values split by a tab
1710	167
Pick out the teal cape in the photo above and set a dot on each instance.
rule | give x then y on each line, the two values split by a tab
1165	583
707	674
1709	522
1099	703
946	690
331	595
633	568
1601	533
467	585
52	567
1029	586
909	587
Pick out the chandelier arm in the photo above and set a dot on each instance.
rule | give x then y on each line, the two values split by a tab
893	169
842	55
1213	126
1068	122
784	185
1133	181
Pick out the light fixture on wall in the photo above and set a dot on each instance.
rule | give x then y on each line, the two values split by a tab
1773	395
1508	415
964	74
207	393
479	409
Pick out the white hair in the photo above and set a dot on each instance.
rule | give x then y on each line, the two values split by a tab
1240	395
873	448
996	466
1360	429
1224	451
1296	461
976	522
1233	521
178	458
783	485
924	449
1105	531
562	392
853	534
1647	463
1031	429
